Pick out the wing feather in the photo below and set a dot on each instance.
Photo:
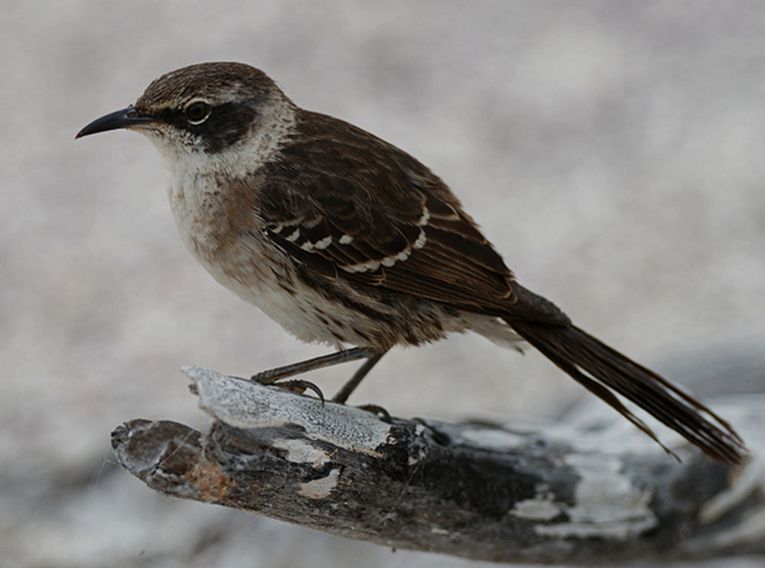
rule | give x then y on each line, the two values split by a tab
371	214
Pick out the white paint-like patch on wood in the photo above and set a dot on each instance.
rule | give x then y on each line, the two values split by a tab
493	439
541	508
750	480
300	451
595	427
745	412
320	488
243	404
750	531
607	505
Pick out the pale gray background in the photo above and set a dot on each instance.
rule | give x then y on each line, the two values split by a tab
613	151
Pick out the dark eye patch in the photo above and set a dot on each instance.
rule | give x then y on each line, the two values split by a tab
227	124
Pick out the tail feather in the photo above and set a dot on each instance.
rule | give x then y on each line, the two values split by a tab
605	372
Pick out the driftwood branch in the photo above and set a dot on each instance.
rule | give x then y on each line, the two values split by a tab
590	490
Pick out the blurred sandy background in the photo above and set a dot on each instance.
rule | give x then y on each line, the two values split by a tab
612	150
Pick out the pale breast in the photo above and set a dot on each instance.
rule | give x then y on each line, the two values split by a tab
221	229
220	226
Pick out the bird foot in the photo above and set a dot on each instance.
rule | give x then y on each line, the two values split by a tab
298	386
378	411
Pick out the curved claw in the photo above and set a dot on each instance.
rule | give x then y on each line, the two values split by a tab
300	386
378	411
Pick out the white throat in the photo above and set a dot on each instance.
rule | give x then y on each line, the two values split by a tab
197	179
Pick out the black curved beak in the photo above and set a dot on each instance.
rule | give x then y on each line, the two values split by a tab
124	118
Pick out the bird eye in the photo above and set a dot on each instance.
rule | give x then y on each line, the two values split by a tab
197	113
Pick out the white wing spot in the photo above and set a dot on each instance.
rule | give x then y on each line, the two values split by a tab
346	240
277	229
307	246
421	240
425	217
370	265
294	236
323	243
387	261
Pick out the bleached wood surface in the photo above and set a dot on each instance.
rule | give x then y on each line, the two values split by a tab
583	491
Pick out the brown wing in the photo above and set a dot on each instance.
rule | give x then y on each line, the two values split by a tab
351	206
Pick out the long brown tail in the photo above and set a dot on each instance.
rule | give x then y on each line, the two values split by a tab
604	372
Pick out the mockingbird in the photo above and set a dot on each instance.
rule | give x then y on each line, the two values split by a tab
345	239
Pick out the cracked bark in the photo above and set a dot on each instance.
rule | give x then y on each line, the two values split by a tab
586	490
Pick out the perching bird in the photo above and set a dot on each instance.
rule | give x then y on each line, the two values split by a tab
345	239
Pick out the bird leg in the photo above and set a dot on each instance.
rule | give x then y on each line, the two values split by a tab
271	376
278	374
348	388
299	386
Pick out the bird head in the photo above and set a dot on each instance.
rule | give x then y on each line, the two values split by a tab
203	110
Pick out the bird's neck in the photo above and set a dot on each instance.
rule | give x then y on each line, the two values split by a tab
210	192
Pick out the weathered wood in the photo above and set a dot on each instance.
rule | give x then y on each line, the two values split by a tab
584	491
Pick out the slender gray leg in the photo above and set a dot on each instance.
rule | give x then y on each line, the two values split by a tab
272	375
348	388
